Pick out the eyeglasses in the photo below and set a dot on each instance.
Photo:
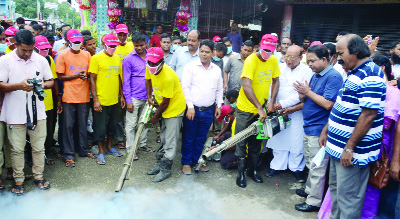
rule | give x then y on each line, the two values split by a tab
290	58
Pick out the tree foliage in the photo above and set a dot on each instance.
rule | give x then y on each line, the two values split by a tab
28	9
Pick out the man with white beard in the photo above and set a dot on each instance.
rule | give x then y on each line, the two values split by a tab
287	145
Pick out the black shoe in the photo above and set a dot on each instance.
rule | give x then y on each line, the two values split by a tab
241	178
299	176
301	193
252	169
306	208
272	172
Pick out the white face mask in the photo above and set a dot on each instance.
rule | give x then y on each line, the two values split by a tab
76	47
110	50
153	70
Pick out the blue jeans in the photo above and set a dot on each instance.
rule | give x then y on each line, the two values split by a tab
194	135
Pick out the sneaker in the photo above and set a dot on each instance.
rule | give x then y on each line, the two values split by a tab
187	170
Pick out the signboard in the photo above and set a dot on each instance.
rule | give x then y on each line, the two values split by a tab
3	16
50	5
347	2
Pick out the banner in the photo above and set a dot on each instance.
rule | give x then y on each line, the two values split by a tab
50	5
348	2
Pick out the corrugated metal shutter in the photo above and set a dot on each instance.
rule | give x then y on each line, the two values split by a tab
323	22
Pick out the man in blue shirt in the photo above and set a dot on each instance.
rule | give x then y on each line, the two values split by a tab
354	132
236	37
318	97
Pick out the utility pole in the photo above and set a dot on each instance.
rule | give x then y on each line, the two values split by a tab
73	20
66	19
37	9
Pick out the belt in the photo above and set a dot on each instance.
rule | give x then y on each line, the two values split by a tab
203	108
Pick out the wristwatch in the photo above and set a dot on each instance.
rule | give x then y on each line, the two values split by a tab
348	150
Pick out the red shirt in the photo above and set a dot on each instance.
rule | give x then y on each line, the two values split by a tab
155	40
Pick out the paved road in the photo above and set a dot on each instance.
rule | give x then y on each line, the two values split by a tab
87	191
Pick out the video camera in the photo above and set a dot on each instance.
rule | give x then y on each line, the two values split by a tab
37	88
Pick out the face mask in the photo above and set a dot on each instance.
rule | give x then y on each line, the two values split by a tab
122	41
3	47
227	119
9	43
76	47
265	55
110	50
229	50
233	105
216	59
153	70
175	47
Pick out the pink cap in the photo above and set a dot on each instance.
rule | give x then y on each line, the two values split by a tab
74	35
122	28
217	39
154	54
41	42
111	40
225	110
11	31
315	43
268	41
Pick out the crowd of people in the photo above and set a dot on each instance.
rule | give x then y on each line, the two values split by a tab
340	96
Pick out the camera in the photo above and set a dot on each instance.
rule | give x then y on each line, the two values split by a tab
37	88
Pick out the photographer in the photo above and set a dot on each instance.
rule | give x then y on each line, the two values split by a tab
16	65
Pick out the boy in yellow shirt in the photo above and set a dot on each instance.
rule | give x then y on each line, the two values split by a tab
161	79
105	80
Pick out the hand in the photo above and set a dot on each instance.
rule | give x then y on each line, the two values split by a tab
154	120
82	75
123	102
394	169
323	138
345	159
262	114
151	101
190	113
217	112
277	106
129	107
270	107
393	82
288	110
225	86
216	137
212	148
97	106
25	86
59	107
366	38
301	88
373	45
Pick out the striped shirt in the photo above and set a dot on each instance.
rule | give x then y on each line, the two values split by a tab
364	88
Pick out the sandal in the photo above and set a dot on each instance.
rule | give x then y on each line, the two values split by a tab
90	155
19	188
101	160
69	163
145	148
43	181
48	161
121	145
113	152
158	139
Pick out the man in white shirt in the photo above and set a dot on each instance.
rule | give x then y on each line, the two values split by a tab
288	145
333	57
202	86
186	54
60	43
395	58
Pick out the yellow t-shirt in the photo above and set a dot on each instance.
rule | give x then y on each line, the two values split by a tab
108	71
48	100
166	84
261	74
7	50
123	51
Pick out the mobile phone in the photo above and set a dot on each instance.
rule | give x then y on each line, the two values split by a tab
369	40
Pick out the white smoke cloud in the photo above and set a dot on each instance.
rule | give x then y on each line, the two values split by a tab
186	200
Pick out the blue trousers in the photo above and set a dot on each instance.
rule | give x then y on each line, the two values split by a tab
194	135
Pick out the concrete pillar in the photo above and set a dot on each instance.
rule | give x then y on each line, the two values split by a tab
287	21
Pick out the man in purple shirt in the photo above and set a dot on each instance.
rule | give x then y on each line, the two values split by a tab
134	88
236	37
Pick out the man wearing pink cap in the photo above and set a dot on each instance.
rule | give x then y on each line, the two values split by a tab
42	47
105	80
72	68
164	82
10	38
123	49
259	76
16	68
